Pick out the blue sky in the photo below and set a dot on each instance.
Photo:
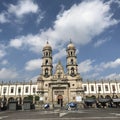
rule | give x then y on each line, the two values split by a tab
92	25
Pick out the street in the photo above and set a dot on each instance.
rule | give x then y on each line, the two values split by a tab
83	114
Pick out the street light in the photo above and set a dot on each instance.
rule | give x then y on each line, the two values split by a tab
4	91
18	97
113	92
33	97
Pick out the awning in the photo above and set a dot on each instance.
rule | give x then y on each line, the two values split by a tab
116	100
90	100
104	100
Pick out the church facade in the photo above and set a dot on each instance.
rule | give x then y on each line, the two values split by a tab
60	88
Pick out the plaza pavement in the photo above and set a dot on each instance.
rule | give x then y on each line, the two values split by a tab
83	114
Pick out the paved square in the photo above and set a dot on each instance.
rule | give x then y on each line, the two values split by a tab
84	114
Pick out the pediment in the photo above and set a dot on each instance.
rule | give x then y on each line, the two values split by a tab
59	71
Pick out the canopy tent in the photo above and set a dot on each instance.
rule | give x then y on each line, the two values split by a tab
116	100
46	106
90	100
104	100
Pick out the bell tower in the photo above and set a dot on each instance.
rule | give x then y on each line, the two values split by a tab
47	61
72	67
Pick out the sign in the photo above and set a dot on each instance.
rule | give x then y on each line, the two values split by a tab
41	98
78	98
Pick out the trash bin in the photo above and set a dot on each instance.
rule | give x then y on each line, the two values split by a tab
12	105
27	105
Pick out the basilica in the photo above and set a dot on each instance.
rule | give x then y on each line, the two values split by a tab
60	88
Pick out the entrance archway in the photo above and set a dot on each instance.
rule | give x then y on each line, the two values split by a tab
60	100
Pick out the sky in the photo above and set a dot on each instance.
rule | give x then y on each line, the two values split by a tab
93	26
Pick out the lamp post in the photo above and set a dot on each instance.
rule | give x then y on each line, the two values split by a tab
3	100
113	92
18	97
4	95
33	97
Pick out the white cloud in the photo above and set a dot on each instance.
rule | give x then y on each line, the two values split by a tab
85	66
34	79
33	64
81	23
40	17
90	71
16	43
23	7
113	76
33	42
100	42
112	64
59	55
91	76
3	18
2	53
4	62
7	74
2	50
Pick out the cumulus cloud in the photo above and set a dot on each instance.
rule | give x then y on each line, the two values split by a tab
111	64
59	55
7	74
34	42
2	53
85	66
89	70
82	22
100	42
3	18
90	19
113	76
23	7
33	64
16	43
40	17
4	62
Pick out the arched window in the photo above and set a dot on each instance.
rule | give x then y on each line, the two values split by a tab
46	62
46	53
71	61
46	70
72	71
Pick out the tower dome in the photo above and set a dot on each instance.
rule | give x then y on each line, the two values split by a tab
70	46
47	46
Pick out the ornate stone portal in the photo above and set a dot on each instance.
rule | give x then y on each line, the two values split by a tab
60	88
